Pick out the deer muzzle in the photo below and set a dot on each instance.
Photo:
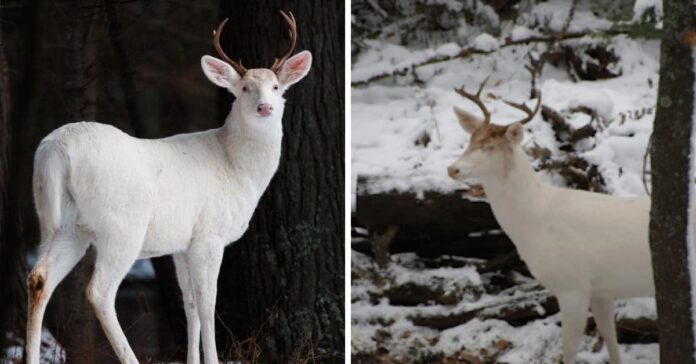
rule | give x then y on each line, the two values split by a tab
264	109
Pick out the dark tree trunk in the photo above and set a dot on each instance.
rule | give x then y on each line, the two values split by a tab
672	183
283	281
12	267
75	319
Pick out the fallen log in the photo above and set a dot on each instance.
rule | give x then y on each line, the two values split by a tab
486	246
534	305
516	311
430	225
412	294
435	209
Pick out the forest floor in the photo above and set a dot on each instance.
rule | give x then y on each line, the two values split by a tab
403	314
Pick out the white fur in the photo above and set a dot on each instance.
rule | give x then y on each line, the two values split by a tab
587	248
188	195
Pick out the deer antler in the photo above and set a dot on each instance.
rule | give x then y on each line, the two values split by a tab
525	108
216	41
278	63
476	98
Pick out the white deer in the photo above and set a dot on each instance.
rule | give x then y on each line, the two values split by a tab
188	195
587	248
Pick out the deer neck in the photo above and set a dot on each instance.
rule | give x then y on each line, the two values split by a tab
253	153
514	193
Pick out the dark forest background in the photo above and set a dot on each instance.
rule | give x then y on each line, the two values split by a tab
135	64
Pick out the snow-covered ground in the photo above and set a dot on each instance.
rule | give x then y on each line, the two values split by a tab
393	115
382	328
51	351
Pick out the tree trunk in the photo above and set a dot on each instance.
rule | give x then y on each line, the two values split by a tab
75	319
12	265
283	281
670	233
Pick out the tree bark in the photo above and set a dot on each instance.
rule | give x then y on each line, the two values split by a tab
283	281
12	265
75	319
672	185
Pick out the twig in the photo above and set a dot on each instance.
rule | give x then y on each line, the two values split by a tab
373	4
648	151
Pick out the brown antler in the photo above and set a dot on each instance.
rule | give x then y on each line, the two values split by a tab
278	63
477	100
525	108
216	41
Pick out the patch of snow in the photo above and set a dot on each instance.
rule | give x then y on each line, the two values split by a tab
520	32
486	43
552	15
448	49
633	308
640	7
142	269
51	351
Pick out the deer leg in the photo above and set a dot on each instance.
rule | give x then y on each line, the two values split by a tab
111	266
204	265
603	312
57	258
573	319
193	325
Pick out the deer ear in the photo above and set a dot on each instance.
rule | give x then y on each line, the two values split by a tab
467	121
219	72
295	68
514	133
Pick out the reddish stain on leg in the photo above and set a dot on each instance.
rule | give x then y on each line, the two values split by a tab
36	284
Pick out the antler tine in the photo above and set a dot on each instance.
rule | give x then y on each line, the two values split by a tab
522	106
216	41
476	98
293	41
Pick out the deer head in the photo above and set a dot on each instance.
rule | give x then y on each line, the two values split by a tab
489	153
259	91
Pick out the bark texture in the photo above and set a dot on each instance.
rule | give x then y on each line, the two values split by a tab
672	183
13	299
75	319
283	281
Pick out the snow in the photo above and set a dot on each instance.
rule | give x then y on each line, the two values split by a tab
553	14
392	116
379	326
51	351
391	57
520	32
142	269
486	43
388	118
640	7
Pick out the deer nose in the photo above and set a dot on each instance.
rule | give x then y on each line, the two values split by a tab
452	171
264	109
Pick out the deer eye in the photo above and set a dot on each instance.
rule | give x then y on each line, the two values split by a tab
245	89
275	87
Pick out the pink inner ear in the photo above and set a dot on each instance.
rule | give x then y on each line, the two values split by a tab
218	69
294	68
298	64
